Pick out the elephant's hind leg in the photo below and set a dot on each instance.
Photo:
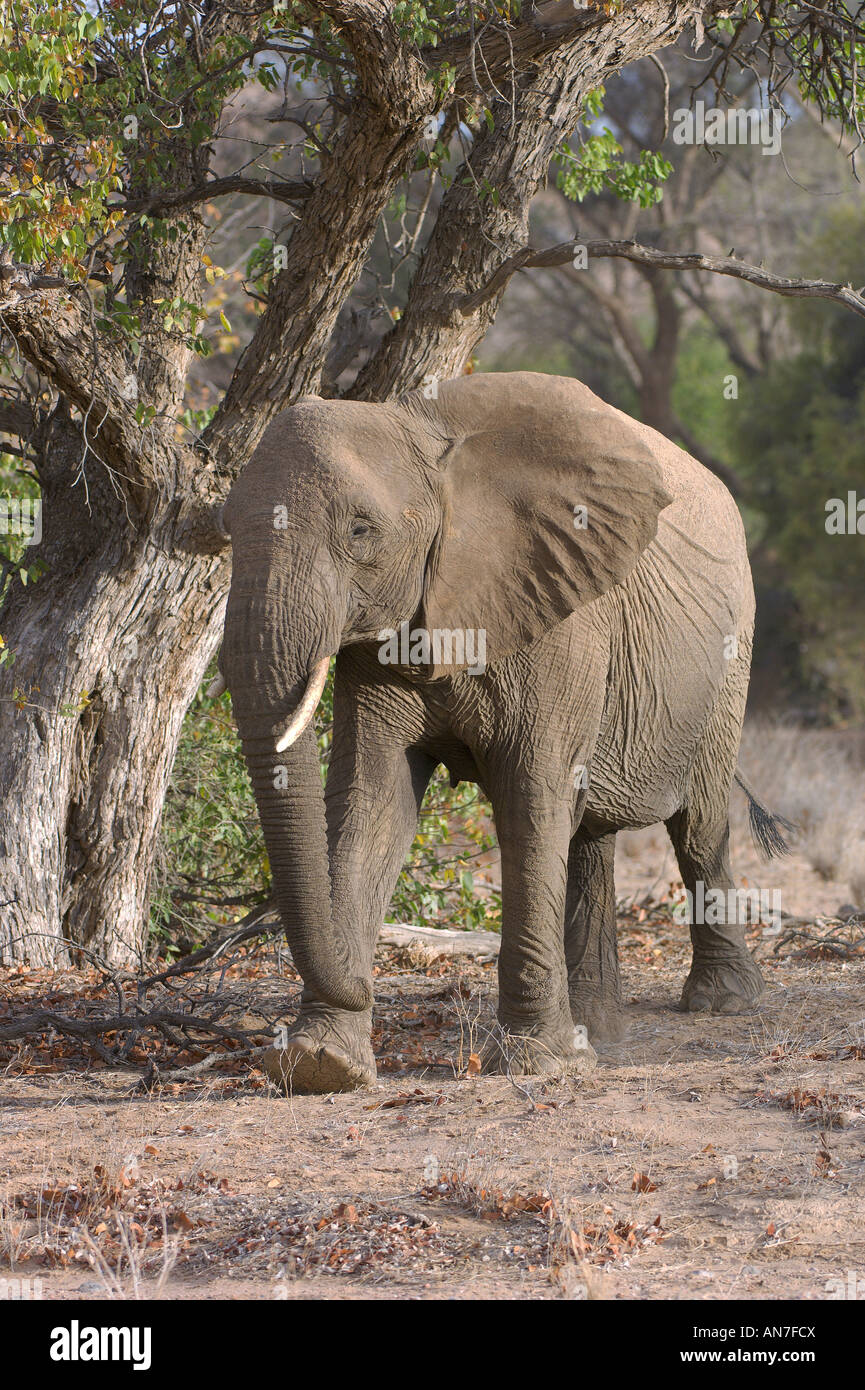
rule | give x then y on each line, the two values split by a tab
724	977
590	939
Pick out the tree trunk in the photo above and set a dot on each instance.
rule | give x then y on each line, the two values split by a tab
84	776
109	648
659	363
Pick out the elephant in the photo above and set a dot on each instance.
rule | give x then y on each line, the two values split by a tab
604	576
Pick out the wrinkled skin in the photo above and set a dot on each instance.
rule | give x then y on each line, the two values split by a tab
617	657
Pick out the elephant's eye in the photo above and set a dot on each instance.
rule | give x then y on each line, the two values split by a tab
359	530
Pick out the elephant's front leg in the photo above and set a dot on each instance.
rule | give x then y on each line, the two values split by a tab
374	793
537	1034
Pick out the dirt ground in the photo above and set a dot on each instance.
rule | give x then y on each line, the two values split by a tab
708	1158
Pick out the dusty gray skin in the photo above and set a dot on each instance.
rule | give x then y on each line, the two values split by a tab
622	647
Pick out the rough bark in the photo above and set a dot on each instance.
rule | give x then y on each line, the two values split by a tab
110	647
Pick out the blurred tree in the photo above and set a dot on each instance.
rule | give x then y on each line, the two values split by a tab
800	444
649	339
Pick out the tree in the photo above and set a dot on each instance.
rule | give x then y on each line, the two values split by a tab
111	113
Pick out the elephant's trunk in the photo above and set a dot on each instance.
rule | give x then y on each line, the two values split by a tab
276	678
290	799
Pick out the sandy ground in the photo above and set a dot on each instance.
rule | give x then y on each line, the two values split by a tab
708	1158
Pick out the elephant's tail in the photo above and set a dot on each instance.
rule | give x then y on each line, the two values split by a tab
766	828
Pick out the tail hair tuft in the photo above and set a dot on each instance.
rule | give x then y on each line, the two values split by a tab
766	828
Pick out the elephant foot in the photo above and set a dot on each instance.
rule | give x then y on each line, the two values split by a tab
324	1051
540	1051
723	985
602	1016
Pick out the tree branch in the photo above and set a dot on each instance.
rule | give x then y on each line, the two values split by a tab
705	456
55	333
740	354
18	418
505	49
280	190
330	243
622	322
386	65
529	259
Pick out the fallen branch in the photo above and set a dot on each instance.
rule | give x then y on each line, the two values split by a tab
187	1015
157	1076
264	921
482	944
824	939
46	1020
261	921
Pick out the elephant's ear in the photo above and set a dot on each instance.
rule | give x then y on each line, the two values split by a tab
549	497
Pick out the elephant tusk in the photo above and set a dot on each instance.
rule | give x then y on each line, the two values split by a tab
307	707
217	687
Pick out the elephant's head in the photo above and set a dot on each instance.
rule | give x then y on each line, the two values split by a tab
499	506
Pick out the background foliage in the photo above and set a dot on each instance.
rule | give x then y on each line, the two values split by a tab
213	856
